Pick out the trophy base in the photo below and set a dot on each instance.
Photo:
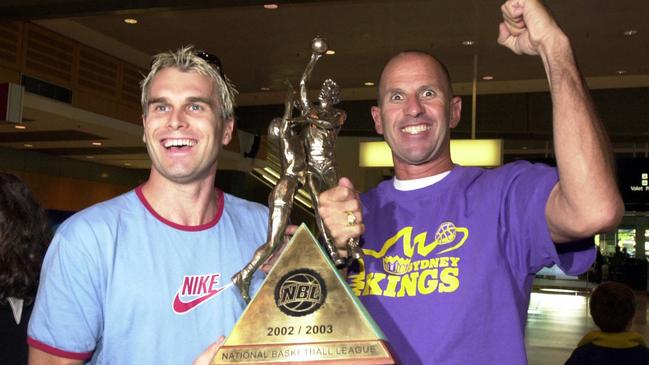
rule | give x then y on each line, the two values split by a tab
304	313
373	352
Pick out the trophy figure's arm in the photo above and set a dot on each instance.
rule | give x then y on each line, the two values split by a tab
304	99
288	102
278	127
318	47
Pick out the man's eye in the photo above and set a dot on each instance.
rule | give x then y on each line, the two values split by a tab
195	107
396	97
429	93
160	108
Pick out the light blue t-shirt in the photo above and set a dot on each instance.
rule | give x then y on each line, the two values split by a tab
122	285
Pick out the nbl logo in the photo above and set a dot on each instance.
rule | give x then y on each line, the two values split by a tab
300	292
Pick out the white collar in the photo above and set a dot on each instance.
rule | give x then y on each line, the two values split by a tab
406	185
16	307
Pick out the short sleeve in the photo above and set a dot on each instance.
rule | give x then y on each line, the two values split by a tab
67	316
524	226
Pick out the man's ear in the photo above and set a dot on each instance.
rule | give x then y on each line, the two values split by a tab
456	111
376	115
228	130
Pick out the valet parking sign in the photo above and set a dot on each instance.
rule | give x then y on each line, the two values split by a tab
644	183
633	180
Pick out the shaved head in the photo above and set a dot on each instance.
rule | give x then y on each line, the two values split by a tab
394	62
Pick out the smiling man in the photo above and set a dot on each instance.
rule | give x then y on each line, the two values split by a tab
141	278
450	252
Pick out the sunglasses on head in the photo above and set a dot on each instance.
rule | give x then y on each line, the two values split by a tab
213	60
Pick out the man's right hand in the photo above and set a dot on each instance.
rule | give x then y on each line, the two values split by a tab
206	357
340	210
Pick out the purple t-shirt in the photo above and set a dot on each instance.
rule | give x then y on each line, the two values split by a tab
448	268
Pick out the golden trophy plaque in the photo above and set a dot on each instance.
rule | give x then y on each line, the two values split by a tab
304	313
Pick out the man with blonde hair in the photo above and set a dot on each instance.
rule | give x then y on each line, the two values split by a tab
141	278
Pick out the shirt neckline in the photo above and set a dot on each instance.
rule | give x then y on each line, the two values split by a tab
439	186
200	227
414	184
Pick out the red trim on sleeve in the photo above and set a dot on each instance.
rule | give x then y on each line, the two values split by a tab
210	224
57	352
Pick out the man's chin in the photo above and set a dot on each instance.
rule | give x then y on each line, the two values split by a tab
423	158
417	159
180	176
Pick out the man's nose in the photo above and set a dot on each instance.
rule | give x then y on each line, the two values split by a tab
414	107
177	120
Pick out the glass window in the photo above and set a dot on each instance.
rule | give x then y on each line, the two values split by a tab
626	240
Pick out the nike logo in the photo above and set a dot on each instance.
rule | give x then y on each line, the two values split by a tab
181	307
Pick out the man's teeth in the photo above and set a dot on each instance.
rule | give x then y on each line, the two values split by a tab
179	143
414	129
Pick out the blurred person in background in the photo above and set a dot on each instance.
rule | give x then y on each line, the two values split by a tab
24	235
612	306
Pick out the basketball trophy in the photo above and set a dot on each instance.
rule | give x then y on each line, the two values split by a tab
304	312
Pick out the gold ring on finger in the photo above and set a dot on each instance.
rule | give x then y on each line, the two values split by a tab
351	218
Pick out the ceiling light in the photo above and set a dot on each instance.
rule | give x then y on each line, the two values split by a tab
468	43
620	72
487	77
90	157
264	88
127	164
330	52
104	175
28	145
96	143
20	126
368	83
630	32
130	21
271	6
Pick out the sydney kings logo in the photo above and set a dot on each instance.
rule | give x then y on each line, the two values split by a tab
300	292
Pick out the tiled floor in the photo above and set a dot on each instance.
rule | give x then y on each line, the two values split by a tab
557	321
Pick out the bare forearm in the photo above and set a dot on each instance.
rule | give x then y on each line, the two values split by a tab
586	200
38	357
